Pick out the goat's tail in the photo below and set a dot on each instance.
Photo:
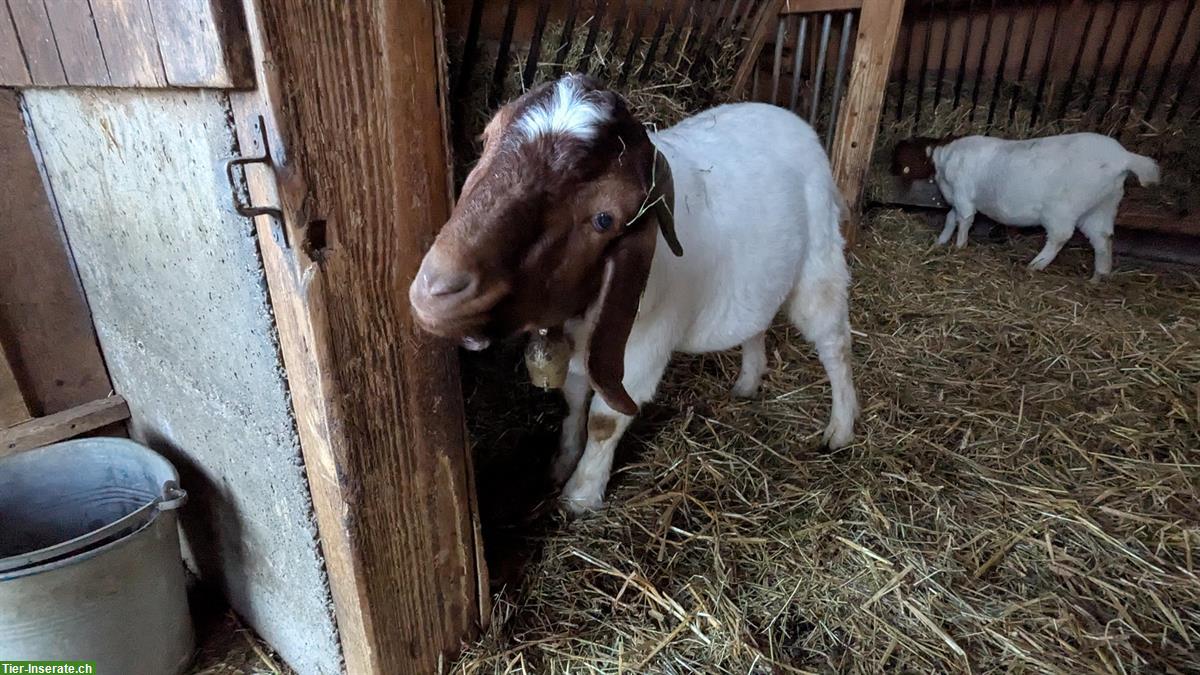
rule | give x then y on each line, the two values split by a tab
1144	168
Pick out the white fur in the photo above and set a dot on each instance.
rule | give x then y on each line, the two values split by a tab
566	111
758	214
1059	182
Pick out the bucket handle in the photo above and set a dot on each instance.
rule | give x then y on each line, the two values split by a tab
172	497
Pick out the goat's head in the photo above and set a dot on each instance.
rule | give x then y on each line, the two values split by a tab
560	214
912	159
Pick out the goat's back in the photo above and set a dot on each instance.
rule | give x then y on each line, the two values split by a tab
754	201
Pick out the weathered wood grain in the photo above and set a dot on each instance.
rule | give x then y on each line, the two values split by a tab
13	72
37	42
12	402
127	36
79	46
382	433
63	425
858	122
203	43
767	19
45	324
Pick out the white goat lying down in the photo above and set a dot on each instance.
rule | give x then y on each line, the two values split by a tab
570	219
1059	182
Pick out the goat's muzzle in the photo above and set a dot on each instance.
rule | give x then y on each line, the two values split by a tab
449	301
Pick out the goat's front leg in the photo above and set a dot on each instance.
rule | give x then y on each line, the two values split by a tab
576	390
966	218
643	369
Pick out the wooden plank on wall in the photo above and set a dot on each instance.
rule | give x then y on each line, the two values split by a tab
37	42
12	61
203	43
45	324
12	402
126	30
382	435
858	124
63	425
79	46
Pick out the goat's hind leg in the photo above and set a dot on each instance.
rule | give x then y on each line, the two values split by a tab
1097	226
819	308
1058	233
754	364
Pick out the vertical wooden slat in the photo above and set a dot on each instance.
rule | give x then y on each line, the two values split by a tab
1020	81
75	30
777	62
45	324
1172	54
1048	57
998	78
533	58
1147	52
878	29
941	71
462	78
126	30
502	55
202	43
391	475
1119	70
1069	86
37	42
640	13
798	63
983	51
13	72
664	17
1094	81
567	37
924	67
963	51
589	45
762	28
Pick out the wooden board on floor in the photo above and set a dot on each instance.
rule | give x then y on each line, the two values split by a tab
45	323
63	425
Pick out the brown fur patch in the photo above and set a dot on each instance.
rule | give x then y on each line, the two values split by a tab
601	427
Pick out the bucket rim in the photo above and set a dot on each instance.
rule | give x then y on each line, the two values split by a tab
170	497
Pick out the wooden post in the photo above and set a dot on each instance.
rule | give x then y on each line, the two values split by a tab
858	125
352	99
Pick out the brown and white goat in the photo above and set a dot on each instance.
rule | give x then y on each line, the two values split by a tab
639	245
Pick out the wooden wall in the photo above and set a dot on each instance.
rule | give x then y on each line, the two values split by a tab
124	43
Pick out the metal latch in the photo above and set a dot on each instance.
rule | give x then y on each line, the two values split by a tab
248	210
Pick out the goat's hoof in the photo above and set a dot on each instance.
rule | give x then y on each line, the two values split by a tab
741	390
836	439
577	507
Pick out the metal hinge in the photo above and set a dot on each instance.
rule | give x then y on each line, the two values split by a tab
248	210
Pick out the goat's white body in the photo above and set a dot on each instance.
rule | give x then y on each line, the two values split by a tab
1059	182
757	214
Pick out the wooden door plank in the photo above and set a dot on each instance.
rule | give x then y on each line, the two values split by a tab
37	42
79	46
63	425
126	30
858	123
385	446
13	72
45	323
807	6
12	403
203	43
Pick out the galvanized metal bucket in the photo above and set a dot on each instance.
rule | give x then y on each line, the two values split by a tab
90	565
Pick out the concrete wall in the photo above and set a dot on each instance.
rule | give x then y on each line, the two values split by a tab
174	281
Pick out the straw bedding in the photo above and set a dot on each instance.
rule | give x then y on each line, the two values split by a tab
1022	496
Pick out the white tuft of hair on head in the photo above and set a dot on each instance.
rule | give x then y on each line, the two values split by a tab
567	111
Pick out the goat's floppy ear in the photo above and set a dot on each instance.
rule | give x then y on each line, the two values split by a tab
625	276
661	198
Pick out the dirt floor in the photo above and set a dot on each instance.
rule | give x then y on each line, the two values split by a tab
1022	497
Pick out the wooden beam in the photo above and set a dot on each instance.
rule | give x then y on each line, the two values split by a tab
37	42
382	432
63	425
45	323
768	18
858	123
807	6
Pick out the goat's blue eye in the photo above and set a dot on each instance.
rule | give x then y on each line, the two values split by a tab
602	221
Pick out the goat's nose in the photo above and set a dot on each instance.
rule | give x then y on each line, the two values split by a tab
441	284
